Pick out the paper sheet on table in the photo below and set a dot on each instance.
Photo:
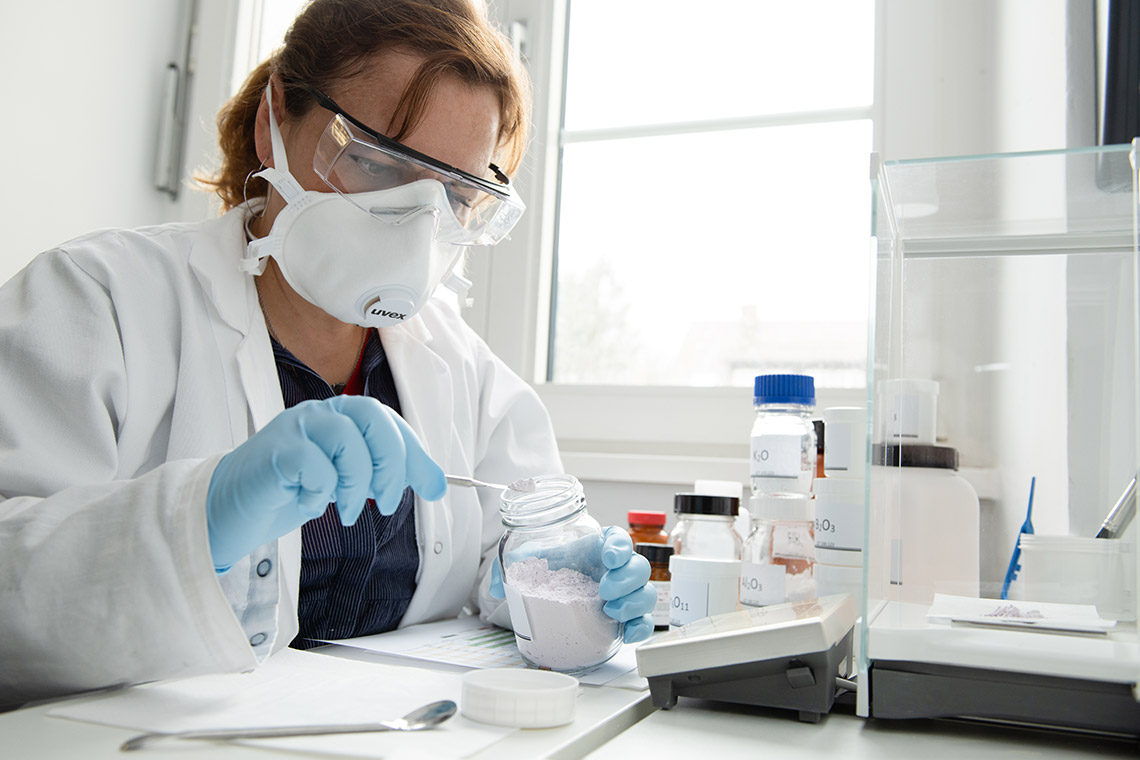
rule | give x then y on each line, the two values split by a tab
1044	616
471	643
299	688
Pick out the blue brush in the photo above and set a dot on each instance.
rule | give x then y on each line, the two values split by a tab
1015	560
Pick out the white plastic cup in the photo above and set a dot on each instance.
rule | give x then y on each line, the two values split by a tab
702	587
907	411
1081	570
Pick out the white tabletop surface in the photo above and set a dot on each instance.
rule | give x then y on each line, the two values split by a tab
601	713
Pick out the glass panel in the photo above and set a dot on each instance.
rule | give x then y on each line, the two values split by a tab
1010	282
657	61
703	260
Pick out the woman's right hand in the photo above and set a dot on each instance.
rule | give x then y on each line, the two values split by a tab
345	449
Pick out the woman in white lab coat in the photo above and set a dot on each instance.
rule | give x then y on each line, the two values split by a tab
179	400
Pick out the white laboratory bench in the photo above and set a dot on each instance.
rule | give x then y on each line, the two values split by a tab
601	713
699	729
620	724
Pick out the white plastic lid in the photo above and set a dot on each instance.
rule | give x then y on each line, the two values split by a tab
702	568
781	506
518	697
851	414
719	488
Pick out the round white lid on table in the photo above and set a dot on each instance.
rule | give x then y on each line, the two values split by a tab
518	697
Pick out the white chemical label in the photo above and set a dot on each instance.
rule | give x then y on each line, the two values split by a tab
661	611
837	452
688	601
517	608
904	418
761	585
838	524
776	456
791	541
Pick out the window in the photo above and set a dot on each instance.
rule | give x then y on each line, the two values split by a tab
261	27
712	217
699	205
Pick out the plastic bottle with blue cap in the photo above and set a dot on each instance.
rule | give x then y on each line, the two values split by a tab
783	452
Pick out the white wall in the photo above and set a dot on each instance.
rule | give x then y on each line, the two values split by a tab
82	91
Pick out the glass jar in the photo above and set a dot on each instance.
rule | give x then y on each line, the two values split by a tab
658	555
783	449
779	555
551	555
705	526
647	527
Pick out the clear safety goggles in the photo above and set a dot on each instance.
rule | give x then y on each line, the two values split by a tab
354	159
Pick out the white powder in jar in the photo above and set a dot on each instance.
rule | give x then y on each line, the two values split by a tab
569	631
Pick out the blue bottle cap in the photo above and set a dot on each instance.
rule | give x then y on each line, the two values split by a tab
785	389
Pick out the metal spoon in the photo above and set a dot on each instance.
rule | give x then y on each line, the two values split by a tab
428	716
525	485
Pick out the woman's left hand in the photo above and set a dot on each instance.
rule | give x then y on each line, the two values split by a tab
625	587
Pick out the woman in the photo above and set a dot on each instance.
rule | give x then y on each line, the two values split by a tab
183	402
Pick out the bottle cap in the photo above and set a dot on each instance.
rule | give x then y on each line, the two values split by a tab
846	454
819	427
781	506
785	389
719	488
702	504
655	553
646	518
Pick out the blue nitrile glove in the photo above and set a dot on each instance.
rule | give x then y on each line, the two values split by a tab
345	449
624	585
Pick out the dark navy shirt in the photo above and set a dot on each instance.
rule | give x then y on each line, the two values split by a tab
358	579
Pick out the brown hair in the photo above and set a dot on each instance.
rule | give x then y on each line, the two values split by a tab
333	40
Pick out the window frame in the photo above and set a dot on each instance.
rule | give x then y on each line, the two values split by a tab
647	434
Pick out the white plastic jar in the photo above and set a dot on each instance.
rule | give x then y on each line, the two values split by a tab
931	523
552	562
783	451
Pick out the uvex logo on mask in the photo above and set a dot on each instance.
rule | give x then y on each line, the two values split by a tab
378	312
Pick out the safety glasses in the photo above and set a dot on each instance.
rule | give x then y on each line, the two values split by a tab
353	159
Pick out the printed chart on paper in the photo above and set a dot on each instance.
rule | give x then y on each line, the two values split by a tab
483	647
465	641
470	643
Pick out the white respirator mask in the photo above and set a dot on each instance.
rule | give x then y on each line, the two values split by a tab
364	255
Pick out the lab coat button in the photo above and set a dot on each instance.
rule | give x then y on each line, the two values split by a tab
257	639
438	548
263	567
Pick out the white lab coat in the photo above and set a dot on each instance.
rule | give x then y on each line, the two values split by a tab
130	362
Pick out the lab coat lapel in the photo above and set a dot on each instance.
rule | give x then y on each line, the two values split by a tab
423	382
234	298
424	385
